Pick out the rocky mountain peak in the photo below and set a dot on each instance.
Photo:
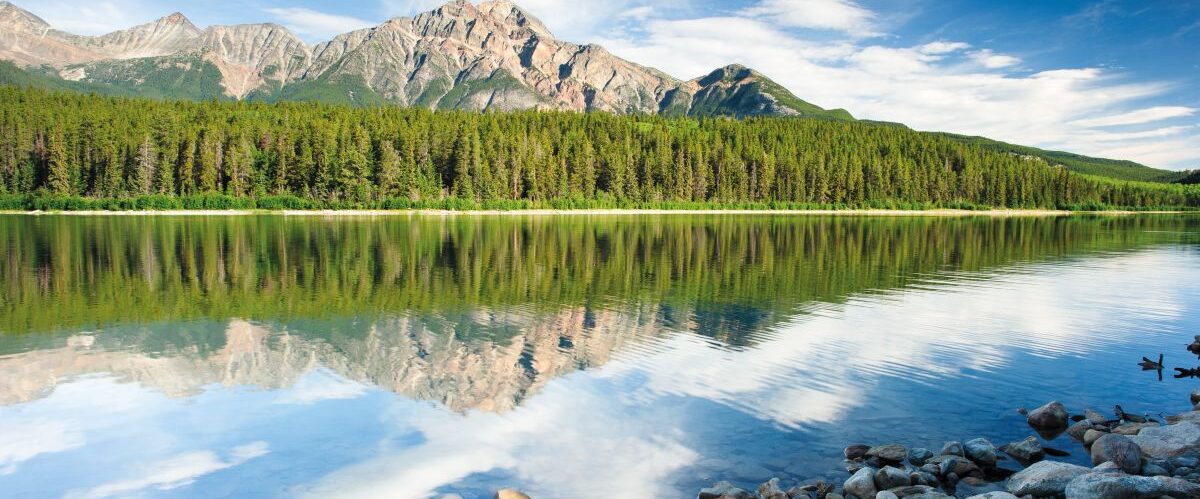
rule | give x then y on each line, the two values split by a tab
16	18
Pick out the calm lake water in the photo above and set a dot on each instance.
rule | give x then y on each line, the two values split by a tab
571	357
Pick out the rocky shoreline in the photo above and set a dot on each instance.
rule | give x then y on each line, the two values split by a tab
1133	457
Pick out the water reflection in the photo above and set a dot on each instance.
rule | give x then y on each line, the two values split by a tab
571	357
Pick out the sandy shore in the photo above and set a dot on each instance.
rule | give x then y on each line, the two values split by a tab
605	212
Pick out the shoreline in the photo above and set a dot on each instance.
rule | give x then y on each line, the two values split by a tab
944	213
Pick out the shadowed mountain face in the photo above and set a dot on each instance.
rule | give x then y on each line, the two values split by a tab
459	56
473	314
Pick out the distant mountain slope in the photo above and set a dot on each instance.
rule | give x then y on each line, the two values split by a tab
493	55
1111	168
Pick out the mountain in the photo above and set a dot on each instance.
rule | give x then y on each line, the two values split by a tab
493	55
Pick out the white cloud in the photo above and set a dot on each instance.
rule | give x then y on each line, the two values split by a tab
1138	117
319	385
317	25
85	17
22	442
175	472
992	60
837	15
943	47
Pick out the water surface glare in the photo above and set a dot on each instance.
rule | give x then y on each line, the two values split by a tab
570	357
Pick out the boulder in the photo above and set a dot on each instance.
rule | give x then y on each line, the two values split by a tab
771	490
1129	429
1046	478
1165	442
892	453
510	494
1155	469
1119	450
886	495
1026	451
994	495
952	449
919	456
960	466
1119	486
1077	430
889	478
970	487
856	451
1091	436
1050	416
861	485
721	490
924	478
1094	417
981	451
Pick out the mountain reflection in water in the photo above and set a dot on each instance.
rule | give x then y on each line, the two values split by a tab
574	357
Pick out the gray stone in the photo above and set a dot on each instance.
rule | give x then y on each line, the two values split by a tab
892	453
1165	442
889	478
856	451
1152	469
886	495
960	466
1185	461
1120	450
981	451
1077	430
861	485
1027	451
724	490
918	456
924	478
994	495
952	449
1129	429
1094	417
969	487
1108	467
834	496
1047	478
912	490
1118	486
1050	416
771	490
1091	436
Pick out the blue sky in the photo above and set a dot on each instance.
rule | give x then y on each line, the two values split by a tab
1112	78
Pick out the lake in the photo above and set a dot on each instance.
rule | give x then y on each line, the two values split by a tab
567	356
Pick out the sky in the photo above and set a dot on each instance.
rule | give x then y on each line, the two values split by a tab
1109	78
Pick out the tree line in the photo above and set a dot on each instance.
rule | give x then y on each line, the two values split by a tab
89	147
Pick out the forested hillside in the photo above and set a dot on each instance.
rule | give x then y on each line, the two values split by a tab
67	150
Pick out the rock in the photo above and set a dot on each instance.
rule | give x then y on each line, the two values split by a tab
721	490
960	466
952	449
1094	417
913	491
1152	469
1046	478
1165	442
918	456
1091	436
771	490
886	495
856	451
969	487
861	485
1107	467
1118	486
1130	429
890	478
892	453
510	494
994	495
1120	450
981	451
750	472
834	496
1077	430
1185	461
1027	451
924	478
1049	416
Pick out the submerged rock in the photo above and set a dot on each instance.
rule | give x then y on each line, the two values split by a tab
970	487
1046	478
1118	486
721	490
1165	442
1119	450
771	490
1050	416
856	451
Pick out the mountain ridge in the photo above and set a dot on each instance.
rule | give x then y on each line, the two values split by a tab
488	56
